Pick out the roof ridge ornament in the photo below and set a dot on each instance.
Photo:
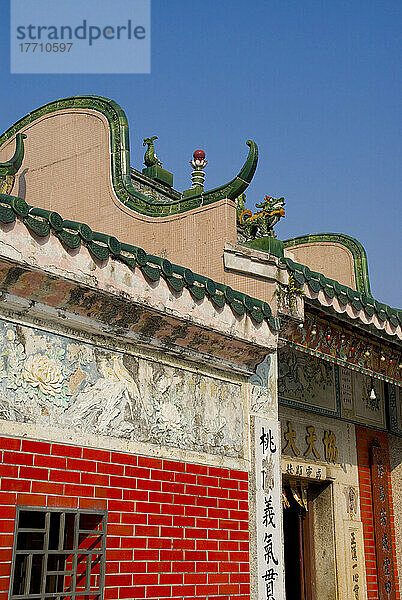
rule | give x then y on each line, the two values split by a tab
153	166
198	163
150	158
261	223
230	190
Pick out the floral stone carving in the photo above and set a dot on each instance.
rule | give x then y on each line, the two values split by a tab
44	373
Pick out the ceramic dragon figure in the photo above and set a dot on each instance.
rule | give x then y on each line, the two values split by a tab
150	158
261	223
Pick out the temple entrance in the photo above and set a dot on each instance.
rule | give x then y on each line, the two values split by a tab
299	540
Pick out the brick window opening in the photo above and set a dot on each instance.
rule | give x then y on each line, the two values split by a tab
58	555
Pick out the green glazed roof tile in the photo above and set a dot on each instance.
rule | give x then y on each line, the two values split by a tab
299	277
314	285
305	270
357	304
329	290
290	263
369	310
343	298
315	275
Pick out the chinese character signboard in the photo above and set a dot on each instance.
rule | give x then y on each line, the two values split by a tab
303	469
309	442
382	527
268	509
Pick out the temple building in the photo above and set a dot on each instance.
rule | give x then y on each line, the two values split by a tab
190	408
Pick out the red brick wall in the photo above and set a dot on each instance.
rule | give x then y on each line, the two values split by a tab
175	529
364	439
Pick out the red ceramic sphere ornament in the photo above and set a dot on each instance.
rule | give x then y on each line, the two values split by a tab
199	154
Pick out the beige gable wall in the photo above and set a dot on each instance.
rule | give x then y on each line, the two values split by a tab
331	259
66	168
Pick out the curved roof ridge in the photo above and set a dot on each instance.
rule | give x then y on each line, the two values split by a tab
120	159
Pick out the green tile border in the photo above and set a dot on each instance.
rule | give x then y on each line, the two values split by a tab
360	299
42	222
355	247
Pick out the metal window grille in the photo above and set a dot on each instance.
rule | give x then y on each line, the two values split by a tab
58	554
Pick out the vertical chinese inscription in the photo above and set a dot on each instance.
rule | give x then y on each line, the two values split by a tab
269	509
355	565
382	526
346	390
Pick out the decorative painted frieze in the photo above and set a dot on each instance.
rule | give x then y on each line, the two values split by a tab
362	398
52	380
263	388
306	381
342	345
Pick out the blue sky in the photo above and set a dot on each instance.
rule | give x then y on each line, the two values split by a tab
316	84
